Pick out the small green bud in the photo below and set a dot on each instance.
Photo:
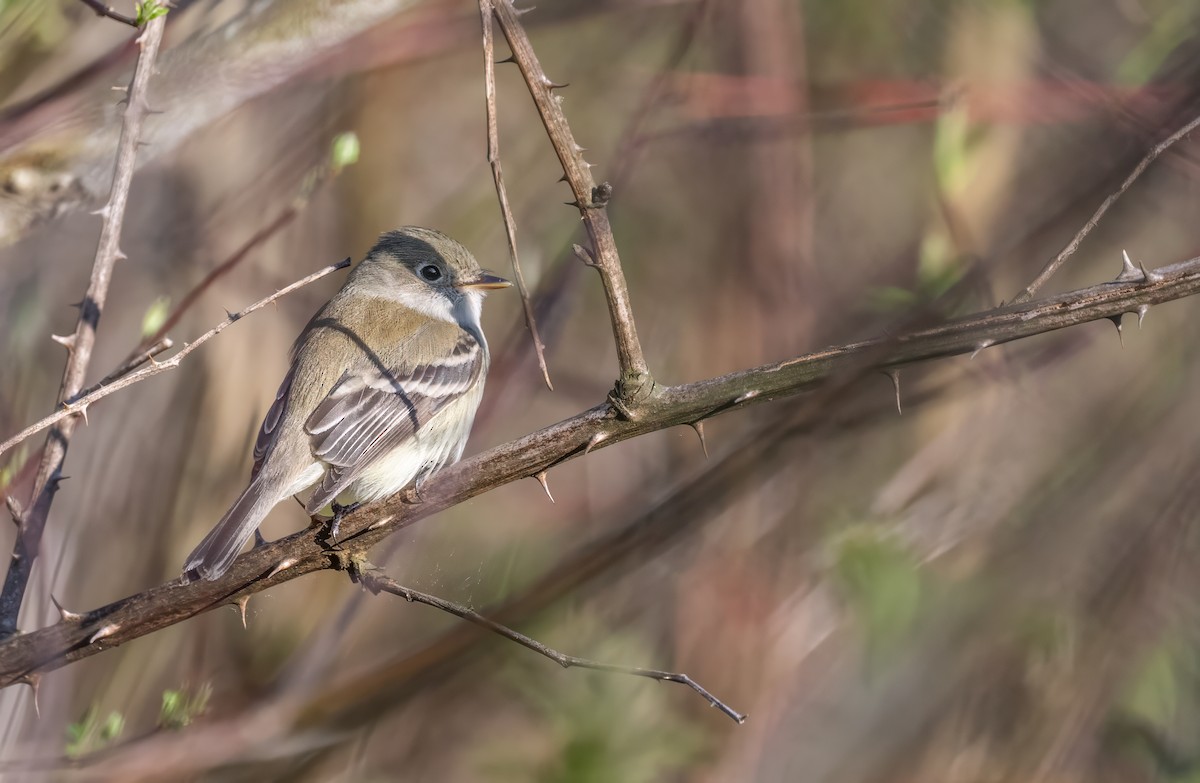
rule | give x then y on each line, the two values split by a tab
345	150
156	316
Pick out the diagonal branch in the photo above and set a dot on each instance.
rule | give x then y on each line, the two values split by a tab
106	10
1068	251
493	155
79	345
79	636
381	583
635	384
80	405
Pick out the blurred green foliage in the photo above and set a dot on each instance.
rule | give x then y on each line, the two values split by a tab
180	707
93	732
596	727
880	581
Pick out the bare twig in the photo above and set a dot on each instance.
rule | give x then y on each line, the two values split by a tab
104	10
377	582
1060	259
131	363
80	405
79	345
314	180
493	155
635	385
305	552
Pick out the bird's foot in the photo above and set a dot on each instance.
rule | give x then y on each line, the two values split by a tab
333	526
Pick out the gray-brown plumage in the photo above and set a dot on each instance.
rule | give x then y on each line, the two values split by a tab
383	387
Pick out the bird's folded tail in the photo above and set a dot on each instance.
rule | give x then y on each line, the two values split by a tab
221	546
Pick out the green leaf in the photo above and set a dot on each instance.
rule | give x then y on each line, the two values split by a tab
149	10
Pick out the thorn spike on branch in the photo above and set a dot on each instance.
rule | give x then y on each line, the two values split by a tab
1149	275
34	681
509	59
894	374
284	565
102	212
1141	313
750	395
119	254
698	426
523	11
64	614
979	346
104	633
241	605
1116	319
541	479
1129	272
594	441
67	341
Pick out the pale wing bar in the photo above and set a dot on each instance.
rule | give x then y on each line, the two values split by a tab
368	414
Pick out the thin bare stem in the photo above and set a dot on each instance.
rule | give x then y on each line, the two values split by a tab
635	385
79	345
134	361
306	551
104	10
80	405
493	155
1068	251
311	182
377	583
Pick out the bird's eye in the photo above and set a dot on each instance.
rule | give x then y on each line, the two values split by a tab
431	273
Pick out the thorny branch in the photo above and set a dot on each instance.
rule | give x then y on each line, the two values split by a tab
493	155
79	636
79	345
1060	259
377	582
635	386
106	10
80	405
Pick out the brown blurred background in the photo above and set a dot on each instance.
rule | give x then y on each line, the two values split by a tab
998	585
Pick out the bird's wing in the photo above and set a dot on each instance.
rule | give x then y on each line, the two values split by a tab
268	433
370	412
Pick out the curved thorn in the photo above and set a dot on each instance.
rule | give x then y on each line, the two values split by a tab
979	346
65	615
104	633
1141	313
67	341
241	604
698	426
1116	319
594	441
1149	275
34	681
750	395
284	565
894	374
541	478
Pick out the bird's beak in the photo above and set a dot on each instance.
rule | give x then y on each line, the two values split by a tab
484	281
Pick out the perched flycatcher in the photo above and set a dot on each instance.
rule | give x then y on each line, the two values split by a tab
382	389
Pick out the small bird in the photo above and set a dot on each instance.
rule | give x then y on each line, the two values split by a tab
382	390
